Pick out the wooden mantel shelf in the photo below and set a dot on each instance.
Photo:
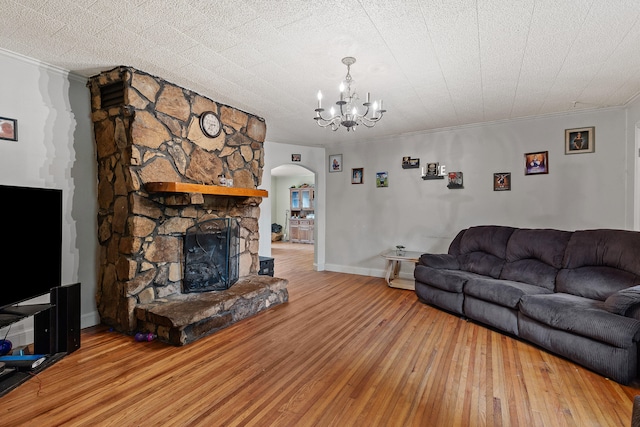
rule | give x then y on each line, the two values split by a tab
185	187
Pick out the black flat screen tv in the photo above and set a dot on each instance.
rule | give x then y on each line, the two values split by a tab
31	258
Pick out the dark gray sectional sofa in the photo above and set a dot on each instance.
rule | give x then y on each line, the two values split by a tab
576	294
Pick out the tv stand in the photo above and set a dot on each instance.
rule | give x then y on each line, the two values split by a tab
13	314
56	333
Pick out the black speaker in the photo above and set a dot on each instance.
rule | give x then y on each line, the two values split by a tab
44	338
66	318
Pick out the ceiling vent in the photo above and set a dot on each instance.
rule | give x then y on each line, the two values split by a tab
112	95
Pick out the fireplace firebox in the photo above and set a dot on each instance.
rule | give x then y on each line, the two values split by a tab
211	255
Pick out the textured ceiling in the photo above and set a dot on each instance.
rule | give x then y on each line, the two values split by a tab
436	63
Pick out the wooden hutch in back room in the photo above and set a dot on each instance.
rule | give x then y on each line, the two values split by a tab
301	223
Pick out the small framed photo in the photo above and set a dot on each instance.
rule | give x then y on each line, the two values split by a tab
409	163
502	181
455	180
8	129
536	163
382	179
335	163
357	175
296	157
582	140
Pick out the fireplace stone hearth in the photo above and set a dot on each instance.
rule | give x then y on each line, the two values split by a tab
183	318
148	141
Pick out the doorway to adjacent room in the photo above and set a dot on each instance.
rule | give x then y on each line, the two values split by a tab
293	210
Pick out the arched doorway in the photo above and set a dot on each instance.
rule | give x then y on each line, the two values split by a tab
287	180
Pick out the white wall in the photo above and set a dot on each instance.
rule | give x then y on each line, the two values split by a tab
633	164
580	191
55	149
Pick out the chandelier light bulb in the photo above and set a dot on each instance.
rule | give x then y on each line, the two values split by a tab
348	115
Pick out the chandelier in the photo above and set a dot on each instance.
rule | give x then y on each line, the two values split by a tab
349	116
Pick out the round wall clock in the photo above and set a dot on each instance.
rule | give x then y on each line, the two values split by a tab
210	124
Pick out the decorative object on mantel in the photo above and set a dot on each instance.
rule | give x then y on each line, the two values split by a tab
296	157
382	179
349	116
455	180
502	181
335	163
433	171
8	129
536	163
582	140
409	163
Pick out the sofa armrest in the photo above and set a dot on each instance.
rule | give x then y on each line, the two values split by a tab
620	302
442	261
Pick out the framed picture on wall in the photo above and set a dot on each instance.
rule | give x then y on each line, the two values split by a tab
357	175
382	179
8	129
409	163
335	163
536	163
296	157
455	180
582	140
502	181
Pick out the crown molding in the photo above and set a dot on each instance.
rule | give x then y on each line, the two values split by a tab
53	68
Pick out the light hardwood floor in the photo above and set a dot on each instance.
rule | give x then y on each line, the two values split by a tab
345	350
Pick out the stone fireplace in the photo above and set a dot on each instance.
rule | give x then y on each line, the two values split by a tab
159	175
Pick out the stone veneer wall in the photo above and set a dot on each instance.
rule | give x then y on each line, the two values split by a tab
155	136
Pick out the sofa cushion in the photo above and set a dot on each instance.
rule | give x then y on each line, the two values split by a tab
621	301
447	280
611	248
545	245
506	293
481	263
582	316
531	271
439	261
454	247
491	239
594	282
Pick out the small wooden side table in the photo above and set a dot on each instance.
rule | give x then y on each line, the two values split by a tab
393	267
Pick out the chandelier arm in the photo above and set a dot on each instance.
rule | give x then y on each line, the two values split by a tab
371	121
319	116
326	122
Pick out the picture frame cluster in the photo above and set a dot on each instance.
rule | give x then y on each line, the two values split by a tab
576	141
